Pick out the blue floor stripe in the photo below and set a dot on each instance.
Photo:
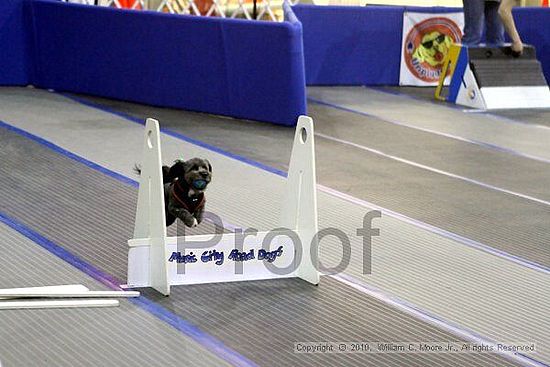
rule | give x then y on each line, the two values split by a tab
60	252
66	153
210	343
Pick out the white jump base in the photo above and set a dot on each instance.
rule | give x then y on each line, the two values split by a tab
153	258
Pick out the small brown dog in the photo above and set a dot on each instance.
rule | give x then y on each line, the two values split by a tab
184	186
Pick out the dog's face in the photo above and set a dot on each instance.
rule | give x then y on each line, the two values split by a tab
197	172
434	48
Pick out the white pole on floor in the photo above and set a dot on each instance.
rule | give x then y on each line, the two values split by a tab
16	305
64	294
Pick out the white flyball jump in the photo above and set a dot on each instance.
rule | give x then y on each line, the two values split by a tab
158	261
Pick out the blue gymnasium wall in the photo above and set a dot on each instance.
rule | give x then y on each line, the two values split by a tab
252	70
351	45
239	68
14	43
533	25
362	45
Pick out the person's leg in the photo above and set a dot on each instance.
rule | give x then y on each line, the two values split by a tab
505	12
473	21
495	28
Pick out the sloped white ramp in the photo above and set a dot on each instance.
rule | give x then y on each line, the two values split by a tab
489	78
158	261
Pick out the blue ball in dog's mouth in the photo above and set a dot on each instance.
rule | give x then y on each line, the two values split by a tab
199	184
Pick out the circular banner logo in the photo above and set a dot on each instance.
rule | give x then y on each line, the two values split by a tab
427	45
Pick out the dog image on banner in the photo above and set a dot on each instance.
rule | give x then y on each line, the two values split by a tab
427	38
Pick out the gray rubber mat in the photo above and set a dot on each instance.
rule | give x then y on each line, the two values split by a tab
489	166
85	210
121	336
502	221
491	73
475	212
439	119
271	144
266	143
91	215
494	67
540	118
449	279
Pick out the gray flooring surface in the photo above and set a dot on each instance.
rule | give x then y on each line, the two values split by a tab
121	336
506	222
246	317
478	128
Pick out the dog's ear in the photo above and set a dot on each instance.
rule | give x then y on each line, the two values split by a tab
209	165
177	170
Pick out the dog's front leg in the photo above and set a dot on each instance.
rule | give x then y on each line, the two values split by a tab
199	214
187	218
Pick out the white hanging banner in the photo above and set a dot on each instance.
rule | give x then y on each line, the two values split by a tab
427	38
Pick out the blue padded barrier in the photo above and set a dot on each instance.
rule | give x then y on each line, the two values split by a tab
251	70
298	71
351	45
533	25
14	43
245	69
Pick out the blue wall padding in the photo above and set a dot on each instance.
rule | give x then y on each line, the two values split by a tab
533	25
14	43
251	70
231	67
298	72
351	45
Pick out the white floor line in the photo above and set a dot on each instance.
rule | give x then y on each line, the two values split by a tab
435	170
473	111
